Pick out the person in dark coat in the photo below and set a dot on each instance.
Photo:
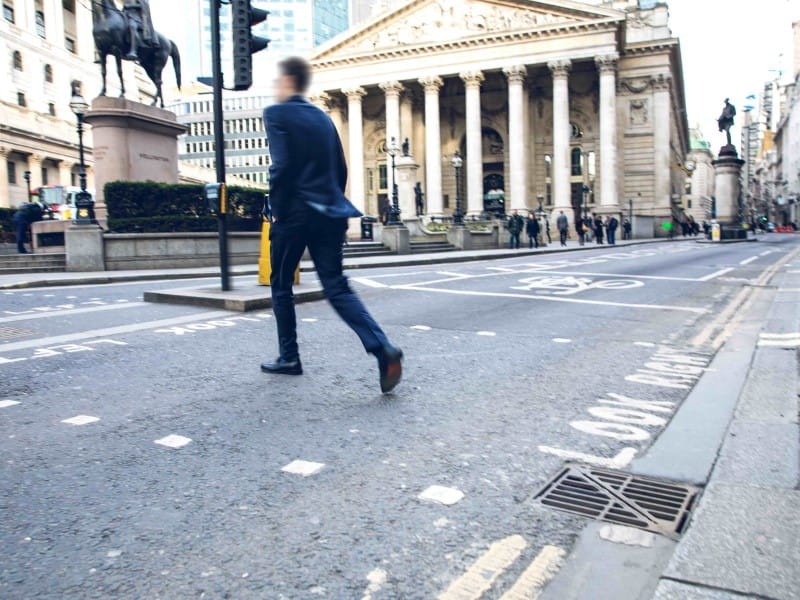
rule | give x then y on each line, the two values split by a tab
308	175
562	223
515	226
611	228
27	213
626	229
579	229
532	229
598	229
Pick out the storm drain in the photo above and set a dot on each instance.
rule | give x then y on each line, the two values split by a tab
621	498
10	333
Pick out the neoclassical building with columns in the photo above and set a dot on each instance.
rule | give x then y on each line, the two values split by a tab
551	101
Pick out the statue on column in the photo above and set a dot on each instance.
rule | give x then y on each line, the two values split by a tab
419	199
725	121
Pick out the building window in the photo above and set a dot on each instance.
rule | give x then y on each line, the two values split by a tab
69	5
576	158
51	109
12	172
69	44
17	60
21	99
40	29
8	12
48	74
44	176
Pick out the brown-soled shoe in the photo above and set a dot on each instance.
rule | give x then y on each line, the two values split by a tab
390	367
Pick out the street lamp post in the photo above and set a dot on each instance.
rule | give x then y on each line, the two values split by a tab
27	176
586	191
458	216
84	205
394	213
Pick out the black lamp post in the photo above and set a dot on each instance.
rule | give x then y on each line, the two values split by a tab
458	163
84	205
394	214
27	176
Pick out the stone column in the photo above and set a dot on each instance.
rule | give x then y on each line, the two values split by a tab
35	167
561	134
662	201
320	100
516	137
335	112
433	146
5	192
727	185
65	173
472	83
407	120
356	136
392	91
609	188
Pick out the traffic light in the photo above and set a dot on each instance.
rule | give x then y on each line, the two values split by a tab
245	44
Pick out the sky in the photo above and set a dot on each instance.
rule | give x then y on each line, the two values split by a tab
728	49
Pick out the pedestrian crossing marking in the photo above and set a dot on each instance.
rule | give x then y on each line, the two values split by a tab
303	467
484	571
81	420
173	441
8	403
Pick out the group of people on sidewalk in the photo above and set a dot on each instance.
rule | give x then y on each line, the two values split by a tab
591	228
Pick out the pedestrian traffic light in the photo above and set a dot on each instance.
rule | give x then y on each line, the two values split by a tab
245	44
216	197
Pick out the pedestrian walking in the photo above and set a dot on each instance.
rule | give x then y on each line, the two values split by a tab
547	230
611	229
579	229
26	213
515	226
308	175
532	229
626	230
598	229
563	225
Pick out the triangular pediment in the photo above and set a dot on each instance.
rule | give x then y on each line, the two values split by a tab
431	23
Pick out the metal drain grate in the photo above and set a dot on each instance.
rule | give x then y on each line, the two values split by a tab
621	498
10	333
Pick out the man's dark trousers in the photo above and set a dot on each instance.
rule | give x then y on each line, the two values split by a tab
513	241
324	237
20	230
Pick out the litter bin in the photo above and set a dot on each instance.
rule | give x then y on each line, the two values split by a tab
366	227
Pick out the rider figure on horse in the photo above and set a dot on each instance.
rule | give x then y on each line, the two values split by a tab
141	26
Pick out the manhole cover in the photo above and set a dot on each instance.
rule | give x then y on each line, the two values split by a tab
10	333
621	498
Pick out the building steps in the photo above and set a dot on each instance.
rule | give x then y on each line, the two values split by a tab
14	264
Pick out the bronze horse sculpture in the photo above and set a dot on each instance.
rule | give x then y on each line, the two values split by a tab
112	36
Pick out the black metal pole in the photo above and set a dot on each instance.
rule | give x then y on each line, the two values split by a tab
458	217
219	142
82	174
395	206
27	176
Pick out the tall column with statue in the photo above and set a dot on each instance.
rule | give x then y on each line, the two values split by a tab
727	181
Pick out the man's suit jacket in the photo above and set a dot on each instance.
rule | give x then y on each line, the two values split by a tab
307	166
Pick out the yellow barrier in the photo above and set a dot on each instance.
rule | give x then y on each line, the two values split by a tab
264	265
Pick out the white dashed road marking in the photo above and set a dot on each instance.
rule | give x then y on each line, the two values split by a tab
442	495
303	467
747	261
487	333
562	340
421	327
173	441
309	320
81	420
7	403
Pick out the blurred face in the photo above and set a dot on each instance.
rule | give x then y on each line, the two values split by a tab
284	87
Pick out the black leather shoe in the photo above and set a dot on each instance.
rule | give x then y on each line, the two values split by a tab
283	367
390	367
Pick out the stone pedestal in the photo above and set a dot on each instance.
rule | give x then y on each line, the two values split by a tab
406	180
727	186
460	237
132	142
396	238
84	248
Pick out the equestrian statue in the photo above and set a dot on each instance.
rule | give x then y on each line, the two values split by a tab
128	34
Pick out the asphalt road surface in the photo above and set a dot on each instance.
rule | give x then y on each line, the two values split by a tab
144	454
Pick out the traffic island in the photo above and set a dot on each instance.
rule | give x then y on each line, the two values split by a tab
244	299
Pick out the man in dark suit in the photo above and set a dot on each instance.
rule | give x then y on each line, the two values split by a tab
308	175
